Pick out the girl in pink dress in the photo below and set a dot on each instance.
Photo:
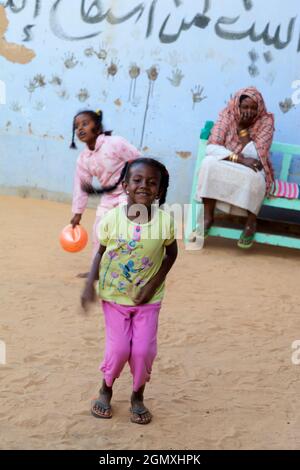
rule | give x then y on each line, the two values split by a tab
103	158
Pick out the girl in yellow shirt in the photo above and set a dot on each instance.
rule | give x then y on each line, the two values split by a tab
137	250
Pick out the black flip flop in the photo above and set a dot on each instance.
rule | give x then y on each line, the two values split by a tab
137	410
103	406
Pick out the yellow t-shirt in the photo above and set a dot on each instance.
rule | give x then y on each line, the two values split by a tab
134	254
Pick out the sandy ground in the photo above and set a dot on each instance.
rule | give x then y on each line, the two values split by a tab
223	377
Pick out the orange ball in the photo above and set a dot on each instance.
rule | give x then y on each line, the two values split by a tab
73	239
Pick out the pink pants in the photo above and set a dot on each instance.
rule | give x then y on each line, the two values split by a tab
131	335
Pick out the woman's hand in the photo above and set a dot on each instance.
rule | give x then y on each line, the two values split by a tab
252	163
75	220
145	294
88	296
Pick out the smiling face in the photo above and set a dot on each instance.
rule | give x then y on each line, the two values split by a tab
86	129
142	184
248	111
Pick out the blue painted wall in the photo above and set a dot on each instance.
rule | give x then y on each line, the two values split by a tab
158	69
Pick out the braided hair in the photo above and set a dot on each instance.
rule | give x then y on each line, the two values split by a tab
124	176
97	117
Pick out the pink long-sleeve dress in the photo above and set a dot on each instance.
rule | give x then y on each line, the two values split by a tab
105	163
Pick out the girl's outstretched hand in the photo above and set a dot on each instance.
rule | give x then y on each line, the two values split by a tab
88	296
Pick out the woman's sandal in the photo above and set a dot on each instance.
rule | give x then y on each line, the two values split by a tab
246	242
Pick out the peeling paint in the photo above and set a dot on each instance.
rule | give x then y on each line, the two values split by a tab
184	155
11	51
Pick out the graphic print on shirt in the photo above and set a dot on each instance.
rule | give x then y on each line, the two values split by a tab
121	276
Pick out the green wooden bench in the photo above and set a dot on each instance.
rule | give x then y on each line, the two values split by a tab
287	152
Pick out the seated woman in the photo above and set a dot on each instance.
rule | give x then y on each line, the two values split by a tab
236	173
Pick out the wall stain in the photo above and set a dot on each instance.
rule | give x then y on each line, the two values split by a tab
118	102
11	51
184	155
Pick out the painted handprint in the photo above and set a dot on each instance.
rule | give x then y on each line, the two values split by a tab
176	78
197	95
